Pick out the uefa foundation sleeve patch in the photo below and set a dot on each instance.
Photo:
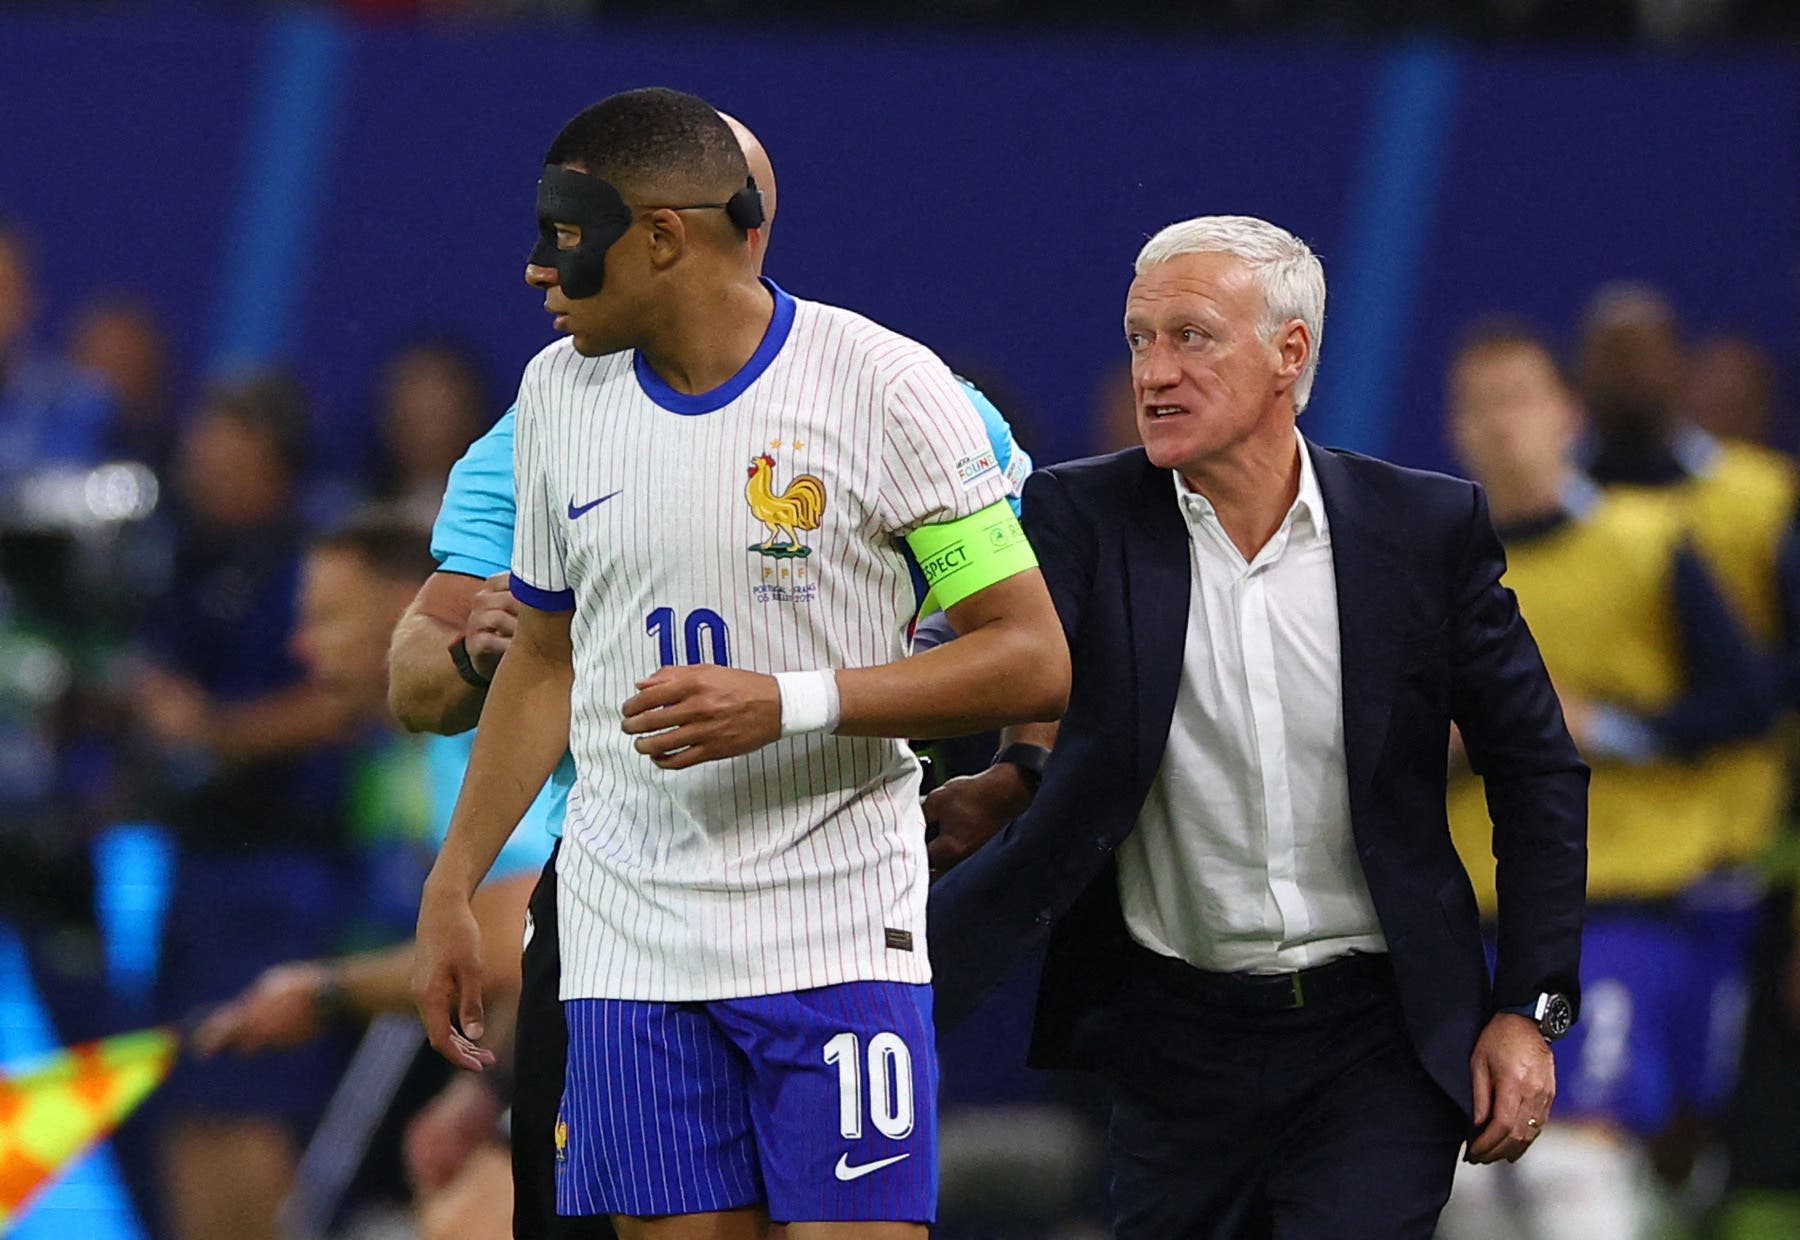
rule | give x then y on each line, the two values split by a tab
963	557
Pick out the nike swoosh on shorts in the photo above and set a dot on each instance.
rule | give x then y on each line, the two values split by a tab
845	1171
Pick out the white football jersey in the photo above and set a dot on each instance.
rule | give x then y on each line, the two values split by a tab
755	526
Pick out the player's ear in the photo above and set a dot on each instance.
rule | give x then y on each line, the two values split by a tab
668	237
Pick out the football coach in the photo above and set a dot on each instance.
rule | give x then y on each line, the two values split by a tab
1257	926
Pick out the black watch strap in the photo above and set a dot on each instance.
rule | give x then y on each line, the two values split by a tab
459	655
1030	759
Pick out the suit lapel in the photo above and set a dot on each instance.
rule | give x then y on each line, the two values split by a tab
1370	570
1158	578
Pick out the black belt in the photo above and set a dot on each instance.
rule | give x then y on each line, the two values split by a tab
1360	975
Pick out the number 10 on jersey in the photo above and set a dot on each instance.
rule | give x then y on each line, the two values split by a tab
706	637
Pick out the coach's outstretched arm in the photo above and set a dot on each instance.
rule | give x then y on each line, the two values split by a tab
525	733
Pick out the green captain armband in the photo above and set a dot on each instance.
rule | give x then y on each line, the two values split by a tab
966	556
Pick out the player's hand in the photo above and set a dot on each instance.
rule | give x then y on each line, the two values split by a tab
446	980
969	810
683	716
1515	1083
280	1009
493	619
451	1127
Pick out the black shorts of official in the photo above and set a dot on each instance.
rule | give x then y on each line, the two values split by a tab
541	1052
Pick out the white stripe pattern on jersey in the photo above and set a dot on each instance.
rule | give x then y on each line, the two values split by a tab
784	869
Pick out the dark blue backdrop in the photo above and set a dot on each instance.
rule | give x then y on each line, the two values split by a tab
297	187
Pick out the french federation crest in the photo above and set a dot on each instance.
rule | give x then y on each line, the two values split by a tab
787	513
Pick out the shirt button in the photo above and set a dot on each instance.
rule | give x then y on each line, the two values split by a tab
1044	918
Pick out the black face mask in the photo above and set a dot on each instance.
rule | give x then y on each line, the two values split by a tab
594	206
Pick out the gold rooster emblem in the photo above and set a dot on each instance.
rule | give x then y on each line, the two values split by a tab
798	508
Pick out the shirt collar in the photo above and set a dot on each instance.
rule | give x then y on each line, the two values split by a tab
1311	500
1309	503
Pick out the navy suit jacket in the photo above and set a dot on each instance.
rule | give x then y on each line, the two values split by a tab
1428	635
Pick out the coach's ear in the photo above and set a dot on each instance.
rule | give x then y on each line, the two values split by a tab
668	237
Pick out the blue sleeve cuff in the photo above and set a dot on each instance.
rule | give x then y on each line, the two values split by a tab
469	566
543	600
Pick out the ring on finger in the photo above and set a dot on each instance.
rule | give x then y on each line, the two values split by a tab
1533	1123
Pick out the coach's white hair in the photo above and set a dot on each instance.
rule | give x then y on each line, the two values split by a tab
1293	281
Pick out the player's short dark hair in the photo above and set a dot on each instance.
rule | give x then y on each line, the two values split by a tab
1497	333
272	405
392	544
654	137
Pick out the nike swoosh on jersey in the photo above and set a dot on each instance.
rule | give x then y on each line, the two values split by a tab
846	1172
575	512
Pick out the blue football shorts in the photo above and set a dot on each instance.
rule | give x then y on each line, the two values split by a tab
820	1105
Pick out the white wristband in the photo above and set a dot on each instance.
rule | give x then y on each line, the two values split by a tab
809	702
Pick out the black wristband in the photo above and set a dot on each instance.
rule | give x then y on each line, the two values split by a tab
1030	759
459	655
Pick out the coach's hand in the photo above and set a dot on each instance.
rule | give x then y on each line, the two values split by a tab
493	619
1515	1083
969	810
446	980
683	716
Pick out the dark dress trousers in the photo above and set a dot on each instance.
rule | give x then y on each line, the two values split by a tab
1428	636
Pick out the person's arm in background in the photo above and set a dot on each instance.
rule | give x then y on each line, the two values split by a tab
290	720
1730	693
296	1002
467	598
426	690
1512	726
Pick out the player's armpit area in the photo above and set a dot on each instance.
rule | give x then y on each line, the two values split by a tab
960	558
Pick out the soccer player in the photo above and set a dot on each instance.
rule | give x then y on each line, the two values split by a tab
444	654
741	940
1654	674
1737	501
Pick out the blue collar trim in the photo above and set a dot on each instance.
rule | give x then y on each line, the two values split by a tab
706	402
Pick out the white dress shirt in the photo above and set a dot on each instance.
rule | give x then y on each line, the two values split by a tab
1242	859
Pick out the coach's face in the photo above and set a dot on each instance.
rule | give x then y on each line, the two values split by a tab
1204	377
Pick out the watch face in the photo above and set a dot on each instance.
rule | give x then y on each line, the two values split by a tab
1559	1014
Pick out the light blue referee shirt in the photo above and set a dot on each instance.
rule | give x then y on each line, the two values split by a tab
474	535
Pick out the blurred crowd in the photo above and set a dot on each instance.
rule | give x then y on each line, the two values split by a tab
194	620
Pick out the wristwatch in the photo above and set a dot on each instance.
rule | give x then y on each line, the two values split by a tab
1030	759
1553	1013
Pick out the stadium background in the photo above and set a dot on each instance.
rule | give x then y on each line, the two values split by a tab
310	188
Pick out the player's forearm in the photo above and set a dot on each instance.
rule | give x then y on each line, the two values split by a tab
524	733
1005	672
425	691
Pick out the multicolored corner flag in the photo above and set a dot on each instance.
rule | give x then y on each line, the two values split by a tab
54	1110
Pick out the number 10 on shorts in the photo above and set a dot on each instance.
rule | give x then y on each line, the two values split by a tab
890	1102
